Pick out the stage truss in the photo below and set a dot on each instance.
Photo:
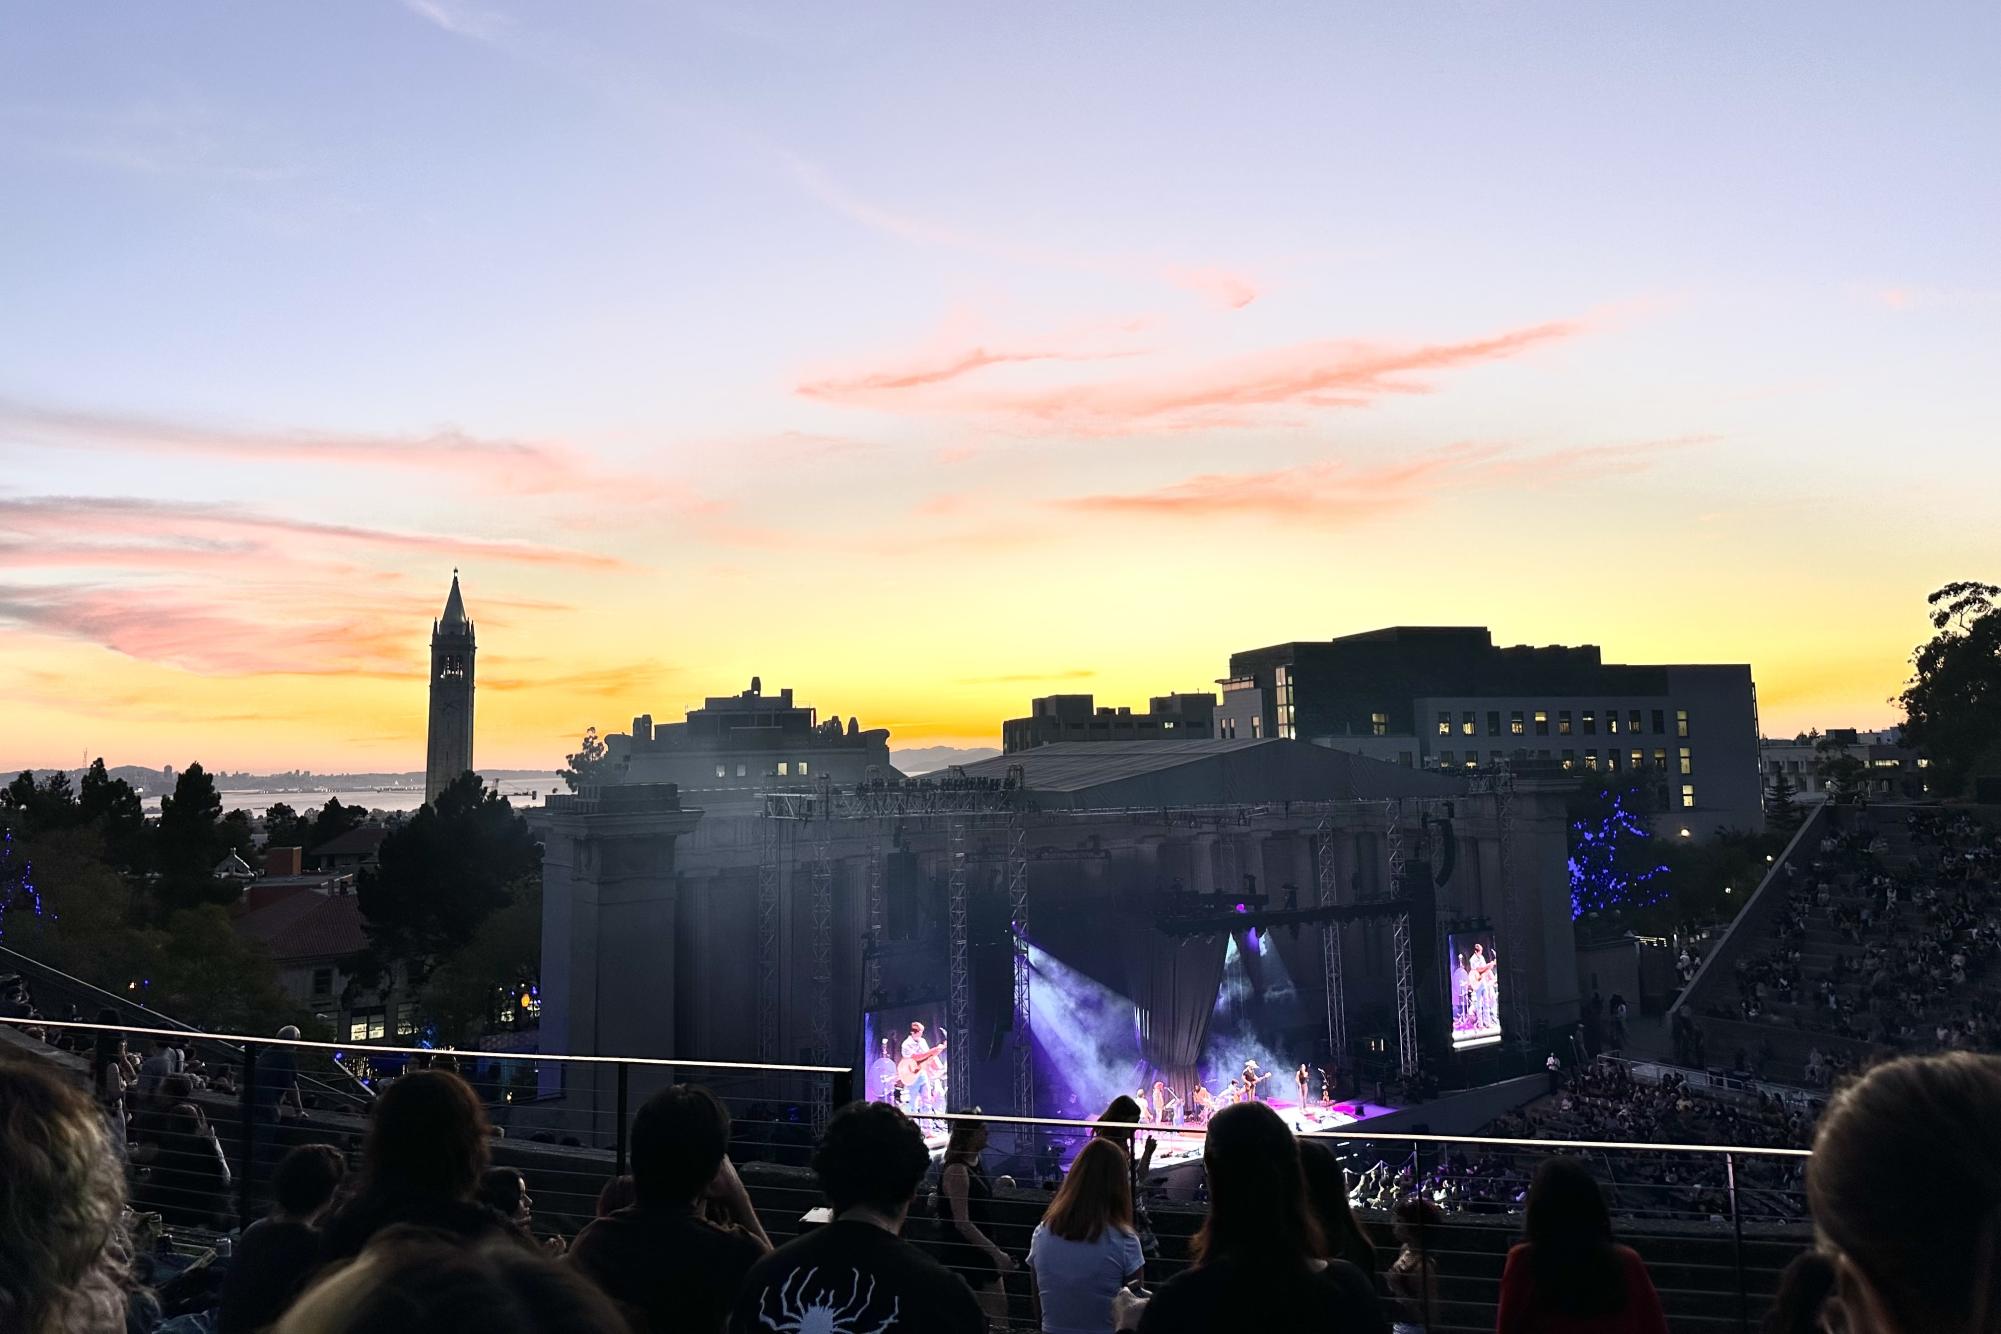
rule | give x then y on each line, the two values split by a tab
1327	875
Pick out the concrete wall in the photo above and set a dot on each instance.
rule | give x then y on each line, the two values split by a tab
1464	1113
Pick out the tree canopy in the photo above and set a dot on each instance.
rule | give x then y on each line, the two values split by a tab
1952	704
581	768
451	866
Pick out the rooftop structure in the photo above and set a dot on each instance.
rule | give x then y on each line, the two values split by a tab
1057	718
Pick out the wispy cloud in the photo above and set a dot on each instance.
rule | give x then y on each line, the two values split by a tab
1337	492
462	20
600	681
145	527
1236	392
1215	283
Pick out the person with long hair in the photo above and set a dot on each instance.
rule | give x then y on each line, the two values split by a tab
1258	1262
410	1278
65	1258
420	1163
1327	1195
1913	1253
1086	1248
1803	1291
1570	1276
965	1218
111	1079
1413	1275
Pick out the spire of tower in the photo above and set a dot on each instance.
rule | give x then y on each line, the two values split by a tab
454	619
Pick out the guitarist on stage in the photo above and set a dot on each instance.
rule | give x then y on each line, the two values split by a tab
919	1072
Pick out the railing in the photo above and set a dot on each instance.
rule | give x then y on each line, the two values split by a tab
1685	1207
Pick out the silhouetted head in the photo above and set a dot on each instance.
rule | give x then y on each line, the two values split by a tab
1257	1193
1327	1196
307	1177
1905	1186
63	1249
679	1138
427	1135
871	1156
1576	1268
1803	1290
412	1279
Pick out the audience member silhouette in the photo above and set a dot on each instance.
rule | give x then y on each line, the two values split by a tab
1570	1276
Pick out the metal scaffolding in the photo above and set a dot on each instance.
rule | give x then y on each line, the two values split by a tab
823	927
1408	1056
959	990
1017	907
767	940
1327	877
1513	970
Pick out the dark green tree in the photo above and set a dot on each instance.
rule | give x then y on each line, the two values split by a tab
581	768
452	865
190	843
236	833
334	820
1952	703
472	985
43	807
1782	812
285	828
1843	776
118	813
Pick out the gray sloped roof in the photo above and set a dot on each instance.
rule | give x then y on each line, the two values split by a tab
1151	773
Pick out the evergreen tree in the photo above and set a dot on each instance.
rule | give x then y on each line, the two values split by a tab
1781	811
117	811
1952	706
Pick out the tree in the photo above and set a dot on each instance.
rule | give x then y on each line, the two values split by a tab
285	828
1781	811
334	820
584	767
236	833
190	843
1952	704
1842	776
40	807
497	967
118	813
201	966
1614	866
455	863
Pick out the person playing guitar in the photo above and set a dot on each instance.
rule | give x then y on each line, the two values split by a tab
917	1072
1251	1081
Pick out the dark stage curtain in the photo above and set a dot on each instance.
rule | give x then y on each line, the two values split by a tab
1172	981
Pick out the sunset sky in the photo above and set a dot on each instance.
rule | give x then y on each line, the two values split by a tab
929	358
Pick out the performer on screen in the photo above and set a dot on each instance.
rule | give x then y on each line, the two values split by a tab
921	1072
1485	989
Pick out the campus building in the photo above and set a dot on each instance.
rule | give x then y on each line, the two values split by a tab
1053	718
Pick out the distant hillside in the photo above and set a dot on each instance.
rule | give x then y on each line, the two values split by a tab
162	780
930	759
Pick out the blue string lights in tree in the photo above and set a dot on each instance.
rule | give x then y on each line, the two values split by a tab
1612	865
17	883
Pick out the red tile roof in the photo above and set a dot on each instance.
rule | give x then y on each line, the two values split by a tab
305	925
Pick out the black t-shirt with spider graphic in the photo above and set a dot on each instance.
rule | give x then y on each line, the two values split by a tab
851	1277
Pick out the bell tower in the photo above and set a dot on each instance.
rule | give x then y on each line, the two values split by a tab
450	751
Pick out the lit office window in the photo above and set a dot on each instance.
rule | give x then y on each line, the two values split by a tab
1633	722
741	771
1687	795
1472	759
1660	760
1687	761
803	771
406	1019
1542	722
1681	722
1591	761
1444	723
1612	760
1563	722
1612	722
1379	724
722	771
784	769
1639	759
1515	727
1466	722
1258	726
1569	760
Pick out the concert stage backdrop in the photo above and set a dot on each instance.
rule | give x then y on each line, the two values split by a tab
1475	979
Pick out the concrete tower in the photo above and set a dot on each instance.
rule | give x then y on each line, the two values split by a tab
450	751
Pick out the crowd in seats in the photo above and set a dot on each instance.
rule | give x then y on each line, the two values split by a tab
428	1236
1887	937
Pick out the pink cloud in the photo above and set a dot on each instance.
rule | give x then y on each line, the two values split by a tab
1220	285
97	526
1340	492
1239	392
836	389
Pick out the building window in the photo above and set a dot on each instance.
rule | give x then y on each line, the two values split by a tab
365	1025
1515	727
1284	702
804	770
1681	722
722	771
740	773
1466	722
1444	723
1542	722
1611	722
1563	722
1472	759
322	981
1687	795
1660	722
1687	762
1633	722
1590	723
1639	759
1379	724
1612	760
406	1019
1493	722
1569	760
1660	760
1258	726
1591	761
784	769
1445	760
